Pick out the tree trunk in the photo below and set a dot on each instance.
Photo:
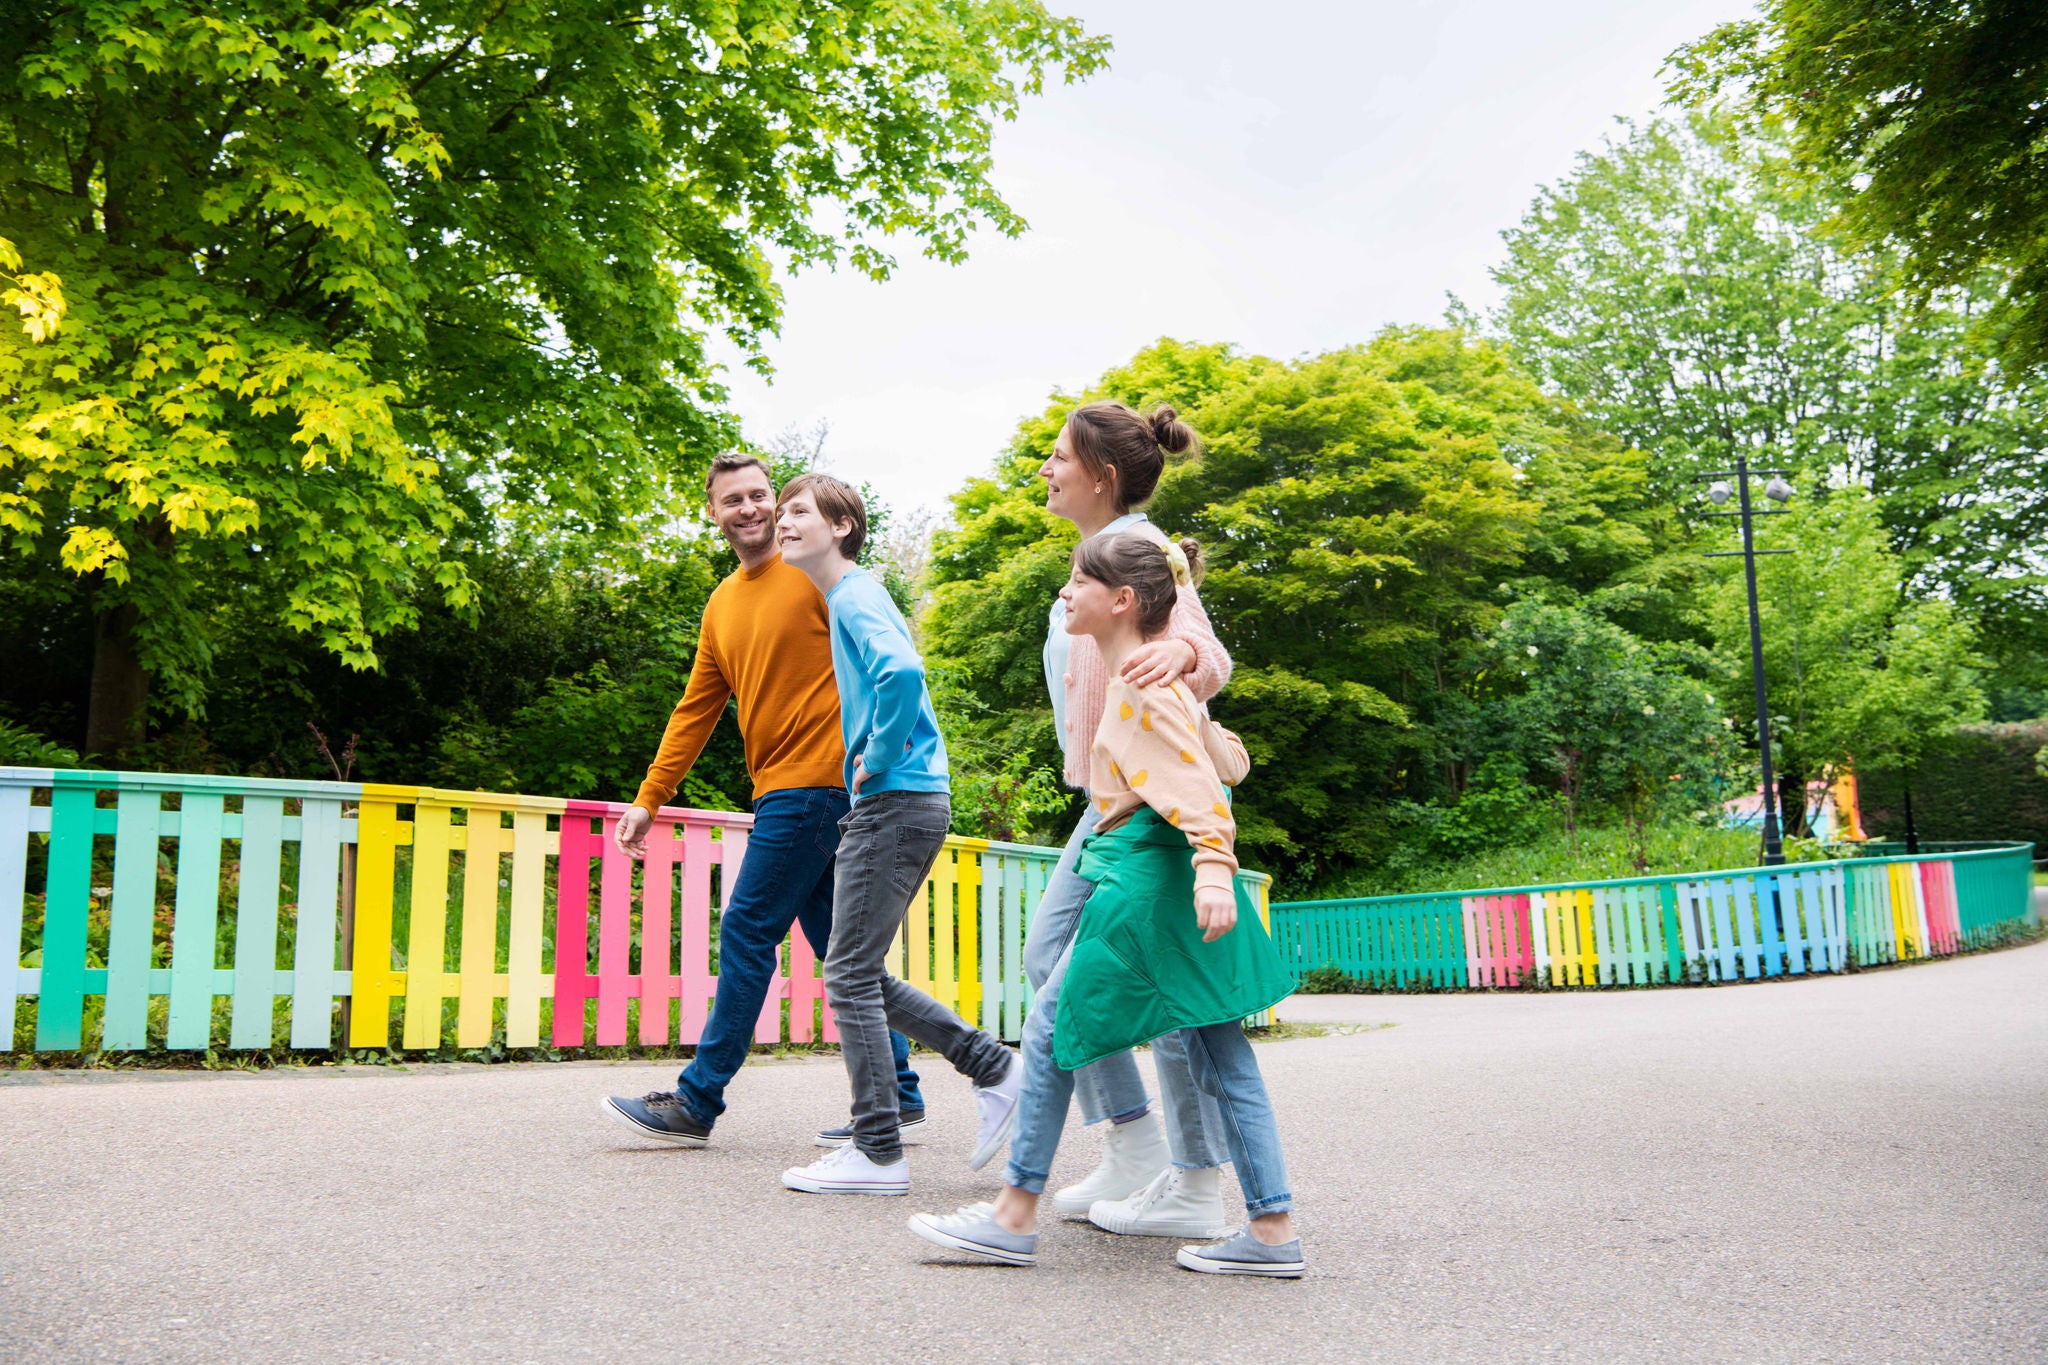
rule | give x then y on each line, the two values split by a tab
119	701
1791	797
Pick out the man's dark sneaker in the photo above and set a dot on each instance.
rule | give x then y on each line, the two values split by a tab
660	1115
907	1122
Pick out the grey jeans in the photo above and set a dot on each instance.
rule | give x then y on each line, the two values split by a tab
887	845
1112	1086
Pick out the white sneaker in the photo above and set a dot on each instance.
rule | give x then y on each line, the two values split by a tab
1133	1156
1176	1204
997	1106
847	1170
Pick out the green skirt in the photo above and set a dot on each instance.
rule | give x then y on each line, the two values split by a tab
1139	967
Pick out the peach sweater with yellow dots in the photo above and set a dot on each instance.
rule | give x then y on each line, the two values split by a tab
1148	752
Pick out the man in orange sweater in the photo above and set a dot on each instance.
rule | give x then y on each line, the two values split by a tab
764	641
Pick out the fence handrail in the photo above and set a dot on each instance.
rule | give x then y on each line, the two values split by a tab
1985	849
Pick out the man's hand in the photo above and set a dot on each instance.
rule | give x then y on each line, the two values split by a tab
630	834
860	775
1215	911
1158	661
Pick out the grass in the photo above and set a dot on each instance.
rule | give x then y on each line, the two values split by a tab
1598	855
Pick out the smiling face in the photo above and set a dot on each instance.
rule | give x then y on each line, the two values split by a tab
742	505
1093	607
1071	491
807	538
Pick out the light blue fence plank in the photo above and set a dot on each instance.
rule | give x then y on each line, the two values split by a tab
261	853
14	837
131	923
195	924
1770	947
313	987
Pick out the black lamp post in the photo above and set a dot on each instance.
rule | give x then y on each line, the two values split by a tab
1735	484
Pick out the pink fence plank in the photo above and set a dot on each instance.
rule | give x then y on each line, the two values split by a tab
615	984
694	972
1478	947
1497	939
1938	889
657	982
806	986
573	983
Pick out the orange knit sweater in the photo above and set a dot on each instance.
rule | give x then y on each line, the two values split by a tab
764	640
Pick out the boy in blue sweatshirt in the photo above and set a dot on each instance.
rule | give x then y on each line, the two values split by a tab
897	780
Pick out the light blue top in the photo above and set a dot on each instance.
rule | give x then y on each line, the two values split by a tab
885	711
1059	646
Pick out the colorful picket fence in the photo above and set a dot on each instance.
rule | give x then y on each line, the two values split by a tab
434	917
1719	926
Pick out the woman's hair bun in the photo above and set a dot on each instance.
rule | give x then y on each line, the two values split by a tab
1172	434
1198	566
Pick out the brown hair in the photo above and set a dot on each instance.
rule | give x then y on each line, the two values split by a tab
725	462
1140	564
836	501
1113	441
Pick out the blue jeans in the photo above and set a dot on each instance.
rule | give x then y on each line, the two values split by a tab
785	878
1113	1085
1221	1059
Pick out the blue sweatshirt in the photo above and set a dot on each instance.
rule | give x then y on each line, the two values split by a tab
885	713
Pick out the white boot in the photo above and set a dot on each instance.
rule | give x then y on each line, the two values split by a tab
1134	1153
1177	1204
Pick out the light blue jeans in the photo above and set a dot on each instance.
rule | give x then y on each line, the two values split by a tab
1224	1069
1112	1086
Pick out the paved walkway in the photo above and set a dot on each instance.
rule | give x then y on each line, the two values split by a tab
1849	1169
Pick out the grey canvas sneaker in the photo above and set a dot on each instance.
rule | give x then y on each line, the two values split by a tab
1243	1254
974	1229
659	1115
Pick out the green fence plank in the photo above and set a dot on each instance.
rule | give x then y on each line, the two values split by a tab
131	921
196	922
256	921
66	905
319	896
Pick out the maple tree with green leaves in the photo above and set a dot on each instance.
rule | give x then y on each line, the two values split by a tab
343	281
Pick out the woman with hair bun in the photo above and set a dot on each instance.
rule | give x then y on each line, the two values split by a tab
1105	465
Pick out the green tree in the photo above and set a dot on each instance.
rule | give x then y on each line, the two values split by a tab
343	278
1935	112
1362	512
1679	288
1618	721
1854	672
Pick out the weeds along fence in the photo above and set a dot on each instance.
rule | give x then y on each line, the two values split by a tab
1699	927
142	910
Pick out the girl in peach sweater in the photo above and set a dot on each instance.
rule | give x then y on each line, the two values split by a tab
1168	944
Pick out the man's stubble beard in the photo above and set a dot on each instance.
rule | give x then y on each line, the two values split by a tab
766	541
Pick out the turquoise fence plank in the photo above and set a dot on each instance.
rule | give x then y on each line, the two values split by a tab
1609	937
131	921
313	973
14	837
261	855
1674	944
67	902
195	923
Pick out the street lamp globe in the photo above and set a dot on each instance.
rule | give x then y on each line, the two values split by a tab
1720	491
1777	490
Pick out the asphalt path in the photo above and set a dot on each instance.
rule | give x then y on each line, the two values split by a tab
1843	1169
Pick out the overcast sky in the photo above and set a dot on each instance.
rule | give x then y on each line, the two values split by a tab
1286	176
